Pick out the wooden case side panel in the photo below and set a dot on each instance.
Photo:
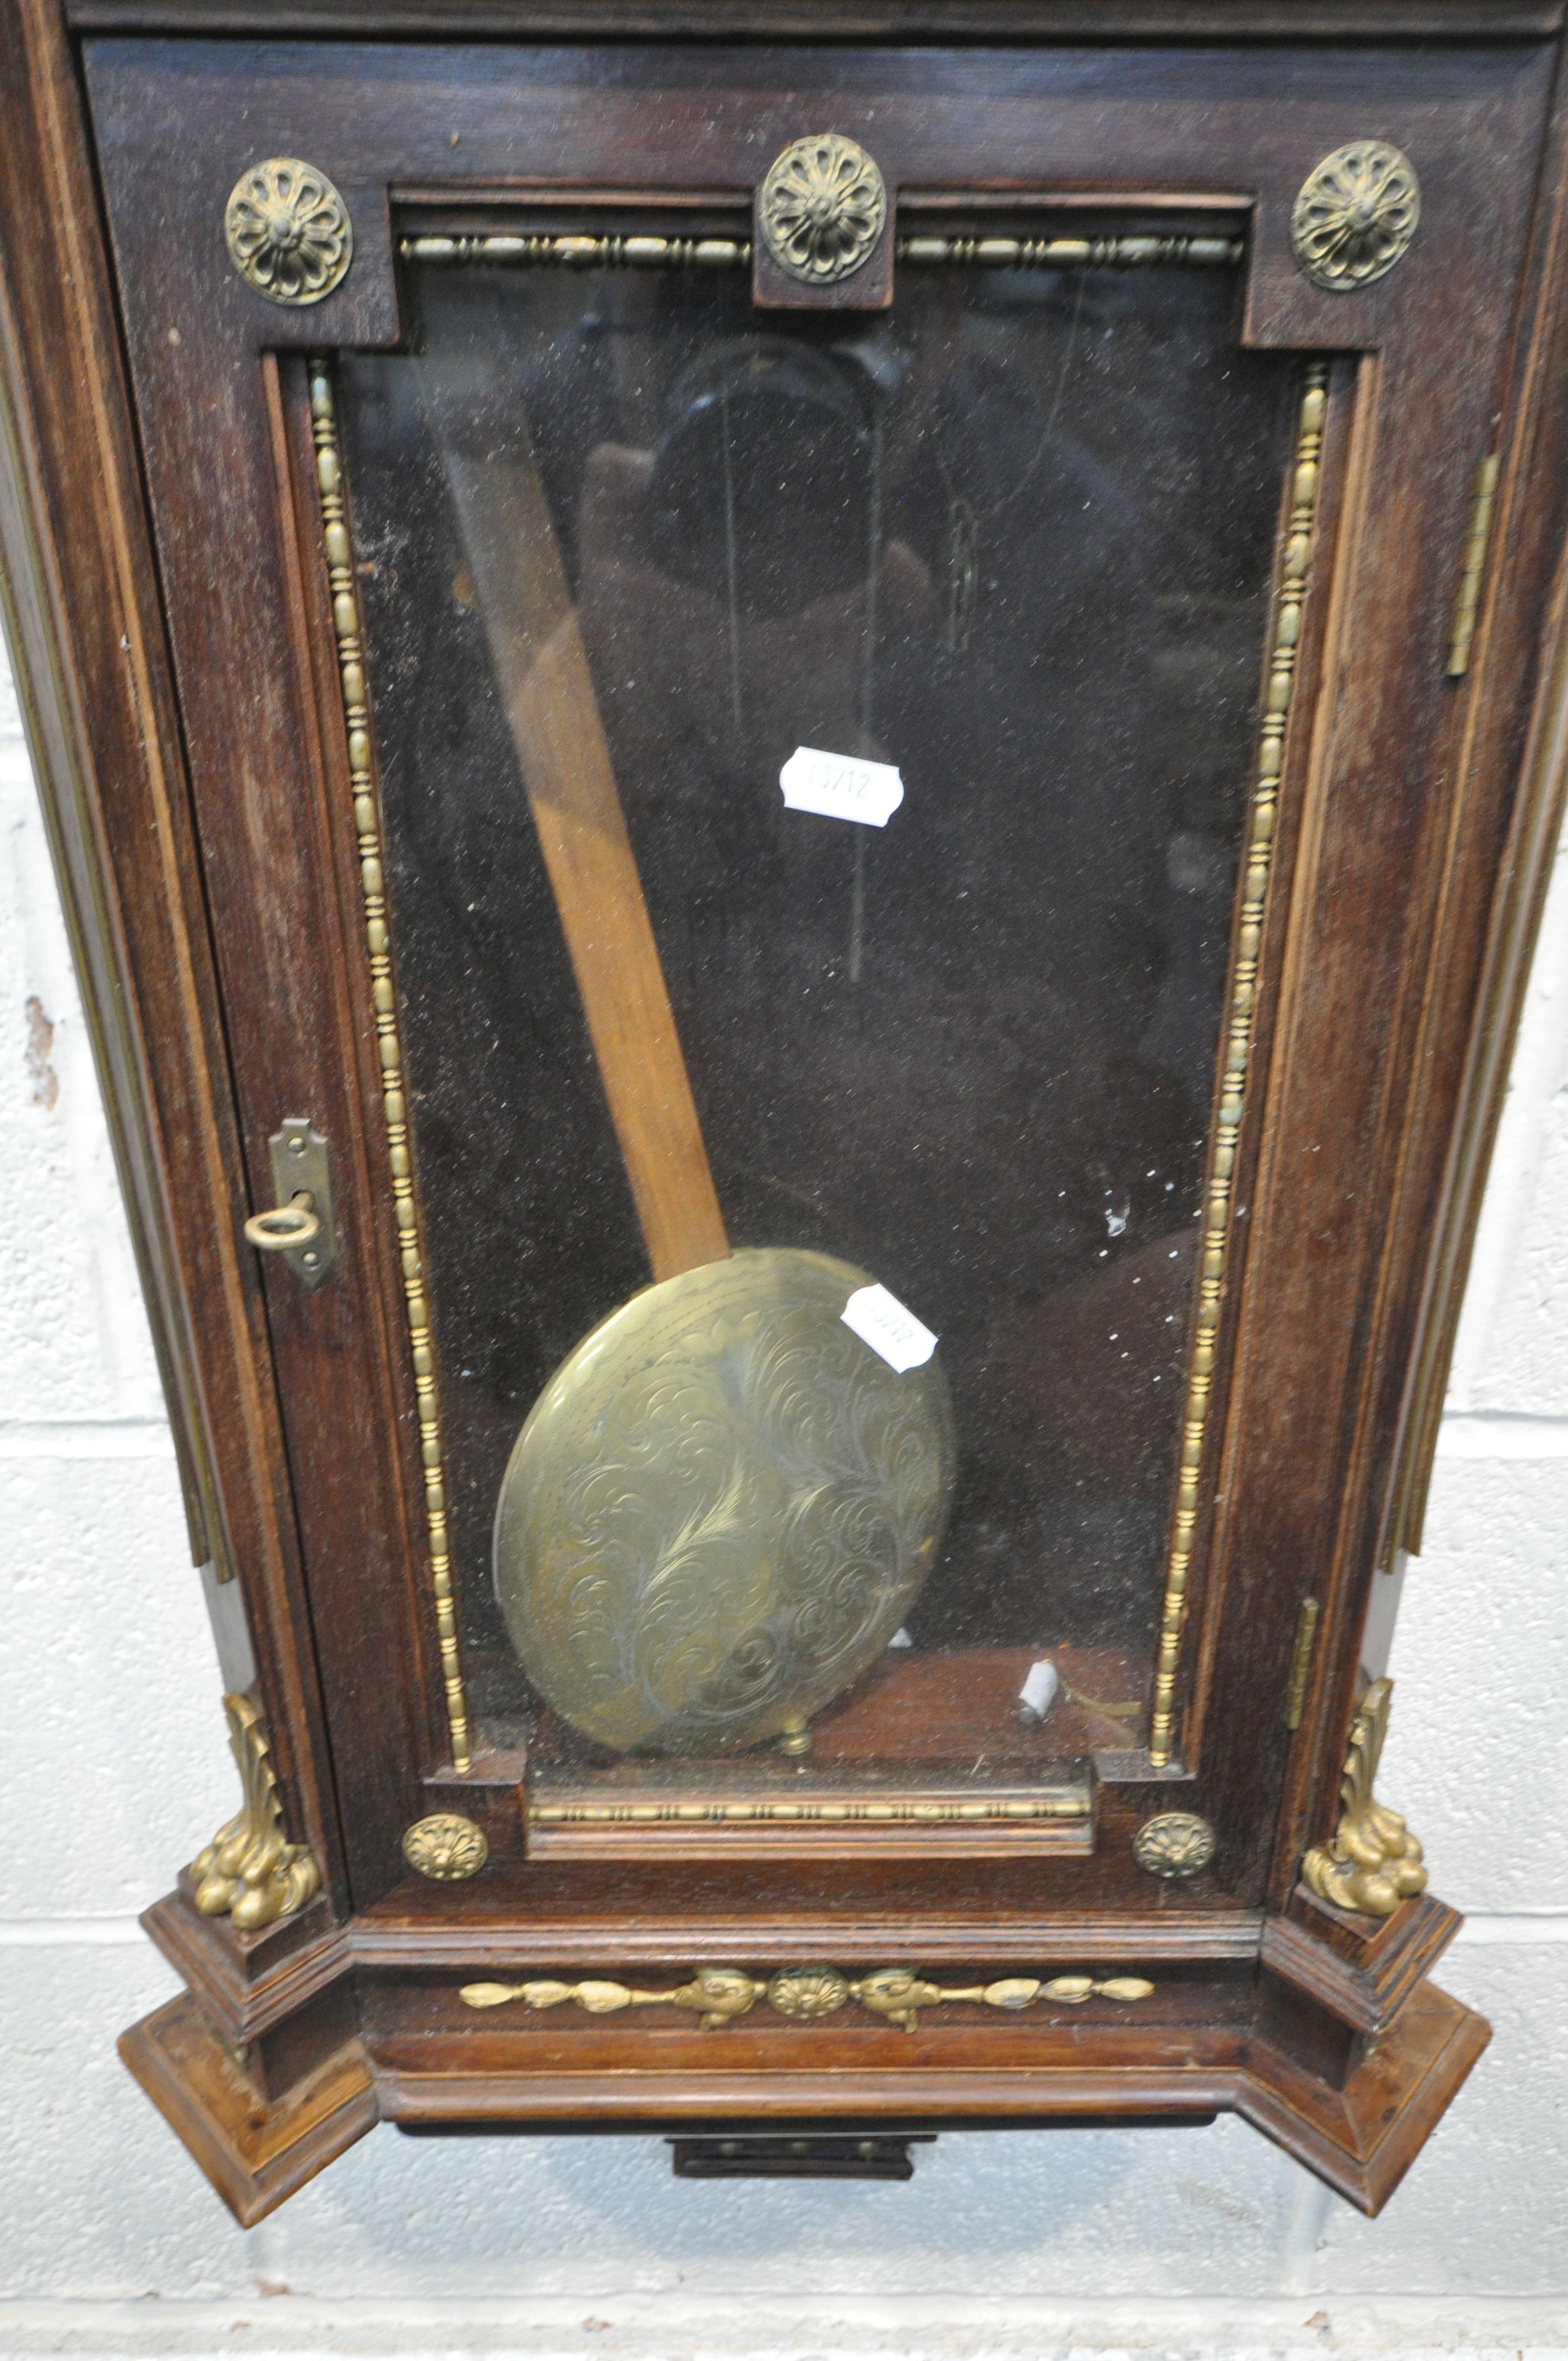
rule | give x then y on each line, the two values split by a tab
83	616
1508	767
1524	606
1394	868
237	532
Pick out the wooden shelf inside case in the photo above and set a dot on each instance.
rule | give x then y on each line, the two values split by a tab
926	1755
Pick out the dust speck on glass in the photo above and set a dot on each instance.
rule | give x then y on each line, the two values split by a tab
1013	537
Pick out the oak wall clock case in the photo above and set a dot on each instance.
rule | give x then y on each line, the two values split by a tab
803	767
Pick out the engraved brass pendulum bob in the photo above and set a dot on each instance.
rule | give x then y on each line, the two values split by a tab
721	1508
723	1504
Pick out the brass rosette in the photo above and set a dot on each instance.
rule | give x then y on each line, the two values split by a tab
287	231
1355	215
720	1509
1174	1845
822	208
447	1847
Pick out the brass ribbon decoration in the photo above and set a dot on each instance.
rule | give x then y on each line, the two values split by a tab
1472	567
355	690
808	1995
620	253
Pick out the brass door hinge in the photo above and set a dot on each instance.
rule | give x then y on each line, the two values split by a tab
1300	1661
1471	565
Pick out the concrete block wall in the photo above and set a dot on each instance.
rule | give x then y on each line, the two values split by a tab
113	1769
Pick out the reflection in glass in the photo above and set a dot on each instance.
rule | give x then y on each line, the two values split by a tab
1013	537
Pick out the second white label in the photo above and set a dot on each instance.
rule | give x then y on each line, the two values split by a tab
841	787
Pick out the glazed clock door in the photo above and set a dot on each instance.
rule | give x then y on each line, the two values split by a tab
809	678
1002	555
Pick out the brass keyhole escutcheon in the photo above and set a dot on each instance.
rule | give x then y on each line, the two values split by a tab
300	1225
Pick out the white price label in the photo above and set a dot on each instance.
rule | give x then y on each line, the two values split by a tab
880	1321
840	786
1038	1693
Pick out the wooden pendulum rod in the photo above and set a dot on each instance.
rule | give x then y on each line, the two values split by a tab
542	668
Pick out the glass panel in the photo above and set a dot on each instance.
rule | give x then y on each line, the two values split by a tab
626	545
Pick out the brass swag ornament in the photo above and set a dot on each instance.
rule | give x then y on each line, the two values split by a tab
822	208
1355	215
1372	1862
808	1995
250	1872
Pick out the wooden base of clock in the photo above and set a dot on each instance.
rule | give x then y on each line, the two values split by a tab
1325	2033
254	2152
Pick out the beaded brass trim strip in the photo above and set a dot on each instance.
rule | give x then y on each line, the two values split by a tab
1043	1808
1301	1649
808	1995
587	253
1293	572
367	825
1472	567
735	253
1072	253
